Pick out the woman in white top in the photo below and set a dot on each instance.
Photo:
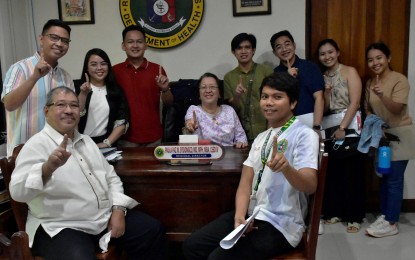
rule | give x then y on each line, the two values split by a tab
105	112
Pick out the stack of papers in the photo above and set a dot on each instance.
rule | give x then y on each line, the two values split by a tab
230	240
111	154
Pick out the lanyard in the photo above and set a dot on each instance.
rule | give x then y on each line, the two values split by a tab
265	152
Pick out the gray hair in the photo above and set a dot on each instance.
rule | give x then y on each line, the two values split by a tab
52	93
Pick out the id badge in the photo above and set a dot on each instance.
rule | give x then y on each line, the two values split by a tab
252	204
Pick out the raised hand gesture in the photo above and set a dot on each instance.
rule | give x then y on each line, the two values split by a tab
42	67
292	70
192	124
377	88
58	157
86	86
328	84
277	162
162	81
240	89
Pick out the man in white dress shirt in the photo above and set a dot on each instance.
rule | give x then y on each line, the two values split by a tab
74	195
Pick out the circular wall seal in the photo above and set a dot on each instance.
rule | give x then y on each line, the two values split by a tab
167	23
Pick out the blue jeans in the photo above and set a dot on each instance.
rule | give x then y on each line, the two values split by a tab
391	191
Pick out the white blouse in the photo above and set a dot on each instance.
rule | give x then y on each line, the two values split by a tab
98	112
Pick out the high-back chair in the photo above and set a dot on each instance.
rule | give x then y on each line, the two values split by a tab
17	247
306	250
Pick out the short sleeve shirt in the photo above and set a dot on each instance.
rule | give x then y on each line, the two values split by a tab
310	79
396	87
249	113
281	204
29	119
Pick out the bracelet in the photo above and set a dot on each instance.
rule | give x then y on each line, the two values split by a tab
164	91
341	128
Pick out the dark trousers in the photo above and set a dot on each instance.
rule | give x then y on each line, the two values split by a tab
344	194
262	243
144	238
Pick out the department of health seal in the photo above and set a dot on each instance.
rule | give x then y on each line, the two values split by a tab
167	23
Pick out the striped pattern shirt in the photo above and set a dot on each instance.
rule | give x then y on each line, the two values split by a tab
29	119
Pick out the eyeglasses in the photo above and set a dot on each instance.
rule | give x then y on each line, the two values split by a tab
285	45
95	65
63	105
57	38
206	88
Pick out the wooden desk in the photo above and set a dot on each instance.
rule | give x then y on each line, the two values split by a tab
183	198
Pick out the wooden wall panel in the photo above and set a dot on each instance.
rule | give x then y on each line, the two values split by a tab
355	24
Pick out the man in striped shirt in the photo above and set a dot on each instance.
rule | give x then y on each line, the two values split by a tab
28	81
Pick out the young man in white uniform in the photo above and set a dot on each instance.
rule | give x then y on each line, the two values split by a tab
277	176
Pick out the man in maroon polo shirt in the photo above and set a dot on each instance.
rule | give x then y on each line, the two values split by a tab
143	83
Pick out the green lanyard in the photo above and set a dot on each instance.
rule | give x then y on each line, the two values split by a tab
265	152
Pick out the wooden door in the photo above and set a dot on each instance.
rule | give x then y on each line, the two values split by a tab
355	24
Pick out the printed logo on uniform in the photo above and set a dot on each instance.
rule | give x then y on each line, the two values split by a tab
167	23
282	145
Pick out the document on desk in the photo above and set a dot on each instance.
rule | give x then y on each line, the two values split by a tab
230	240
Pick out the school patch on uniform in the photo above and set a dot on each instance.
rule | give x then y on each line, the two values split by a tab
282	145
167	23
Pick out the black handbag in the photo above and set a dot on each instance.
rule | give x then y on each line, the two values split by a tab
347	149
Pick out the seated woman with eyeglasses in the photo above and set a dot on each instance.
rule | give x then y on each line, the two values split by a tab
211	120
104	109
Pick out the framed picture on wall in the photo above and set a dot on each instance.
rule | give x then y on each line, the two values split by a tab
76	11
251	7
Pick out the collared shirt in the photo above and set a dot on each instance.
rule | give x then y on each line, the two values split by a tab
143	97
29	118
78	195
252	119
280	203
310	79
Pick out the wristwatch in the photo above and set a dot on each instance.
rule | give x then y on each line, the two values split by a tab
317	127
107	142
121	208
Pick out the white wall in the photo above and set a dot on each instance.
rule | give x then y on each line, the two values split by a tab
207	50
409	191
